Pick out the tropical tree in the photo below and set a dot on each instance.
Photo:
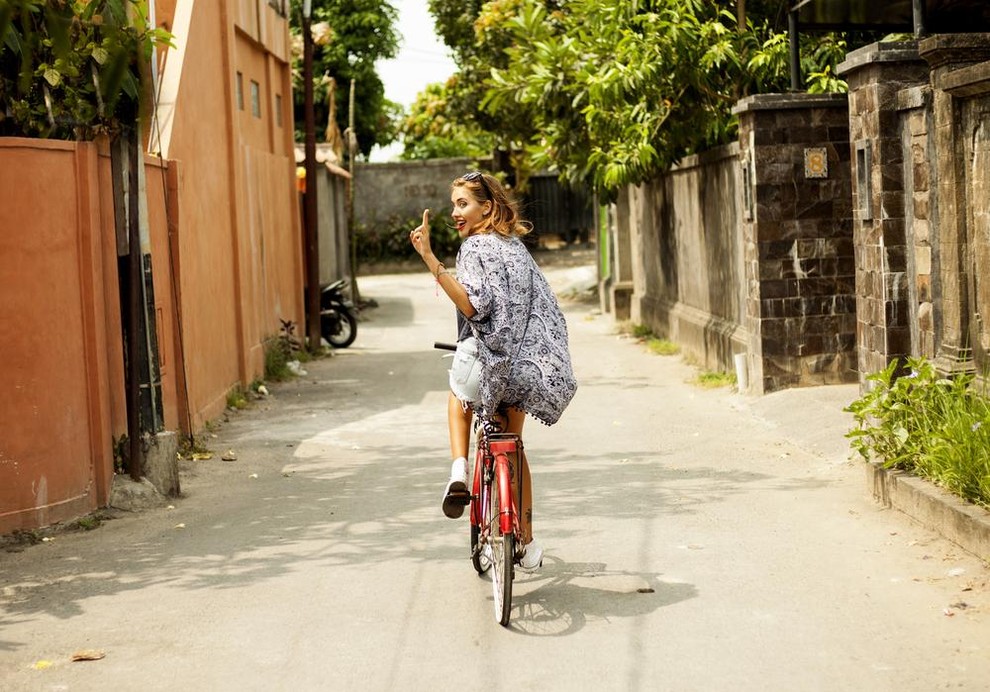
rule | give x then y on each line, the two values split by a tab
430	131
71	69
351	36
612	92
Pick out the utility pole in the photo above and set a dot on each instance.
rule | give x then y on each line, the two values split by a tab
352	151
309	197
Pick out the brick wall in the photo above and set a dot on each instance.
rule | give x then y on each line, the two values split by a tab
800	304
875	75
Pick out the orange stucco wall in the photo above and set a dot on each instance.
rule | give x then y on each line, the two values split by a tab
226	251
55	447
60	327
239	232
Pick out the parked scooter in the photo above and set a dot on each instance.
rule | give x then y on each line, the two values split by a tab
338	323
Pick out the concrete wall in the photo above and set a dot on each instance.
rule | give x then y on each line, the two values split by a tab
748	249
687	257
60	328
387	194
334	240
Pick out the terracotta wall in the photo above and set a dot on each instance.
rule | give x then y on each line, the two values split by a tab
52	331
239	239
226	252
60	328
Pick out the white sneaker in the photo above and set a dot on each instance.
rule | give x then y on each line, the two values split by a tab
532	559
456	495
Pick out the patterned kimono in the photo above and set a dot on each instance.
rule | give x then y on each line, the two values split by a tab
521	331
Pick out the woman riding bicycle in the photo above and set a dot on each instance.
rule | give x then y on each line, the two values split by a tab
506	304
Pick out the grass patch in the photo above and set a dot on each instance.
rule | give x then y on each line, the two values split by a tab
662	347
237	398
276	361
641	331
709	379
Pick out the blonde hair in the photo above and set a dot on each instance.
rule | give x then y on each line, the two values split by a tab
504	218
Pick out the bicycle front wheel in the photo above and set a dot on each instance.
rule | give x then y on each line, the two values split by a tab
502	553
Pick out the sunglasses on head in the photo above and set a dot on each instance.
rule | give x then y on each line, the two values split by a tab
478	177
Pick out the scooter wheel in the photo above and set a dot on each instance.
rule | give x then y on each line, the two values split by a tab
340	332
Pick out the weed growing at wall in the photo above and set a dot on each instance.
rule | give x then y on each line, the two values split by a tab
661	347
936	427
276	361
711	379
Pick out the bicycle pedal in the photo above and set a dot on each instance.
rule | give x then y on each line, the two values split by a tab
459	498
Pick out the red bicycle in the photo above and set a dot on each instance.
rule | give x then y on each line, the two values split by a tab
496	496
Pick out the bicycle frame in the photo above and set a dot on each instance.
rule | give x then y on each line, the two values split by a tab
499	455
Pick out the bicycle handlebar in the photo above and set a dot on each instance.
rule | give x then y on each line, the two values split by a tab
444	347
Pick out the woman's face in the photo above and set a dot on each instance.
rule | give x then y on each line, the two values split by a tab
468	212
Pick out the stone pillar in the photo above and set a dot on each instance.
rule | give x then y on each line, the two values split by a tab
876	73
616	292
914	109
946	54
798	249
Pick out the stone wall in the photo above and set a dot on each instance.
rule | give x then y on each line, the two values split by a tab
876	74
390	194
683	236
921	152
800	302
864	221
960	104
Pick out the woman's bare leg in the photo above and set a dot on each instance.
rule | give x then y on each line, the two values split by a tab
516	419
459	425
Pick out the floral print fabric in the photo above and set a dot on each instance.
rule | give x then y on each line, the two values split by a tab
520	328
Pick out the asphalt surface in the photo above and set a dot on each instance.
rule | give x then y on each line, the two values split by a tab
695	540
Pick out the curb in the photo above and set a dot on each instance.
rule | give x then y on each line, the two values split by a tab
965	524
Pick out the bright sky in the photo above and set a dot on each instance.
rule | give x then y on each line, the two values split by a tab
422	59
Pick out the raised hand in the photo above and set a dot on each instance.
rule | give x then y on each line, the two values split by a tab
420	236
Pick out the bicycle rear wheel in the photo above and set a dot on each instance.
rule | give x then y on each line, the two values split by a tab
502	554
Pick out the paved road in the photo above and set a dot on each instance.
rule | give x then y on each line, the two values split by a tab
696	540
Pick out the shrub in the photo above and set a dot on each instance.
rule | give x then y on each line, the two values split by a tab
389	241
936	427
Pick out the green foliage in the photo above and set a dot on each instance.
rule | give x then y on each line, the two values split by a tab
613	92
433	129
710	379
936	427
281	349
71	69
237	398
662	347
641	331
351	35
389	241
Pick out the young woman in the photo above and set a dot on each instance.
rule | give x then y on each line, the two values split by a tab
505	302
